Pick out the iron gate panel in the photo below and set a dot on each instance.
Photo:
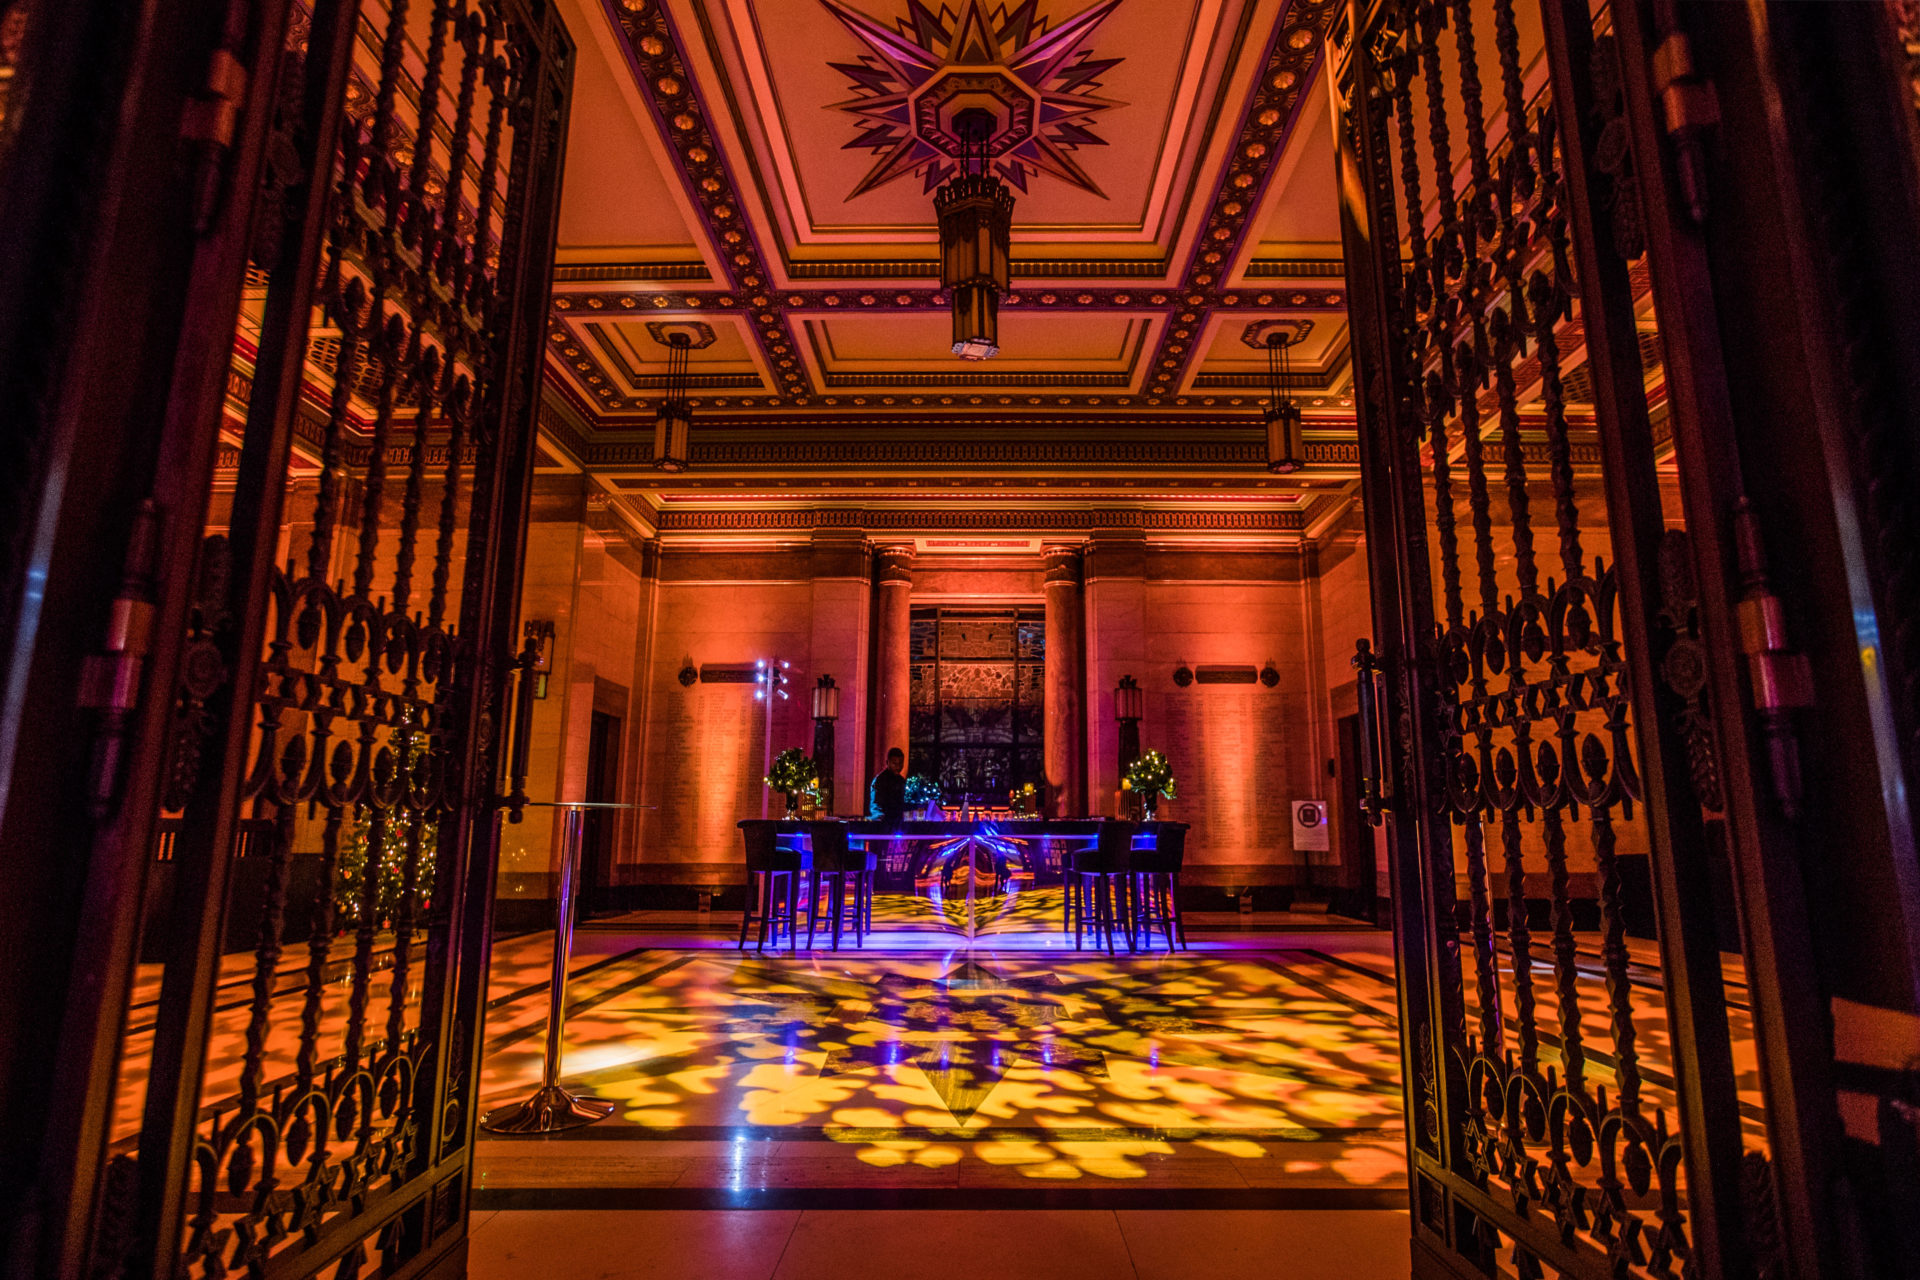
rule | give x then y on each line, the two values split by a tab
333	748
1539	685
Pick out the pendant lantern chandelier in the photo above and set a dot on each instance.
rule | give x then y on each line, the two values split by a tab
975	211
674	421
1283	414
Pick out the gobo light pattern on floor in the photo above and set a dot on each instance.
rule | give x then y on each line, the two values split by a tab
1077	1054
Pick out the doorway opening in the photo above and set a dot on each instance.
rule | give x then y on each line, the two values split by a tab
597	876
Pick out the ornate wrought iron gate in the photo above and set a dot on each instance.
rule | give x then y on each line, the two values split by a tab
1539	686
295	1091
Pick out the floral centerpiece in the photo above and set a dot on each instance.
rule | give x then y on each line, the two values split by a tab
1149	777
793	773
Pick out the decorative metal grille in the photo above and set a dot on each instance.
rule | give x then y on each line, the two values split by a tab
308	1105
1544	1139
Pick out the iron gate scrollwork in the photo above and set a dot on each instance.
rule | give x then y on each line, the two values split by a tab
1503	347
308	1090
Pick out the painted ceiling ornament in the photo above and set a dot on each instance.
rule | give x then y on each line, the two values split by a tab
1037	82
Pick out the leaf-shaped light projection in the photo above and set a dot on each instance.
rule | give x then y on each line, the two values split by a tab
1048	65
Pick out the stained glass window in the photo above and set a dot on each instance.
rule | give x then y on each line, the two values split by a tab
978	686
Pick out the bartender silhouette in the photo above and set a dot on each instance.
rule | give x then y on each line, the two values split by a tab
887	793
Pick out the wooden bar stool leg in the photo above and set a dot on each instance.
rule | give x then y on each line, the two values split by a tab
766	907
1108	900
836	894
746	908
1179	920
813	903
794	879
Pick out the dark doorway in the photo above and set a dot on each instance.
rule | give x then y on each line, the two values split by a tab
597	891
1354	891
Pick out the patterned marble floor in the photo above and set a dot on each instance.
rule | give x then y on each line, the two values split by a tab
1266	1074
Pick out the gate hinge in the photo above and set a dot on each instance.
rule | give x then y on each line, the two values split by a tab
210	121
1690	108
110	678
1780	678
215	115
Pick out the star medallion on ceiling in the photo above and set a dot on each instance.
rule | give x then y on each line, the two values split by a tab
1038	82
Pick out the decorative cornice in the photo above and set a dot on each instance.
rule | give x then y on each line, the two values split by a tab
910	453
590	272
937	519
1322	269
1296	269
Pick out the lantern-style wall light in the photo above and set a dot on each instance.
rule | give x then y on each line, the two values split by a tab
975	212
826	710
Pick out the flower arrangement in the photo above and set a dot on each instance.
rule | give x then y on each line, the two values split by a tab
793	772
922	791
1149	777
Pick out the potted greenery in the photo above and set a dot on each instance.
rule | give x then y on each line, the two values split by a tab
793	773
1149	777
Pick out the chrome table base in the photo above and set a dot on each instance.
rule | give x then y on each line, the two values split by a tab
552	1108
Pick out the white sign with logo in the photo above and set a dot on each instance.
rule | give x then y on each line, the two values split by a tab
1310	826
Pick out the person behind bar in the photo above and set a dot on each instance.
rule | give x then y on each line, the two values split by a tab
887	793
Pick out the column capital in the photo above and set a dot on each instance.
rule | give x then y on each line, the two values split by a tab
893	562
1062	560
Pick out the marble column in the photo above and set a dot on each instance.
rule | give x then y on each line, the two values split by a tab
893	660
1113	591
842	635
1065	720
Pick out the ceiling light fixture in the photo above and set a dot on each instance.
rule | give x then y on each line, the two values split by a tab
674	421
975	211
1283	414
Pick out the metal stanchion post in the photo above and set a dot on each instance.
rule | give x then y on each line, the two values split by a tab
552	1108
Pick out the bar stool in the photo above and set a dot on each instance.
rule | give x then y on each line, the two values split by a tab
1101	875
1157	876
773	879
837	866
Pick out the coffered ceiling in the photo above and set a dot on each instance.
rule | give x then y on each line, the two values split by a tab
761	170
754	175
764	168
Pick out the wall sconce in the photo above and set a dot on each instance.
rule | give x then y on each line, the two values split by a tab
826	710
541	631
